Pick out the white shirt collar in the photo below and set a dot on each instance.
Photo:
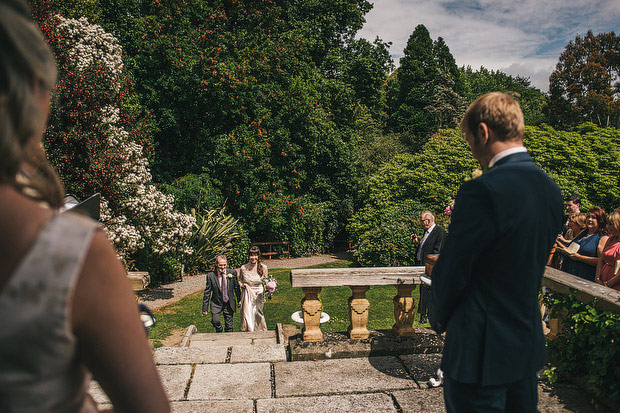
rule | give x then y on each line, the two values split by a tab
506	153
431	228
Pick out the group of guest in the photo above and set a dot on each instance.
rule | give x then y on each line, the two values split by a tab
226	292
590	244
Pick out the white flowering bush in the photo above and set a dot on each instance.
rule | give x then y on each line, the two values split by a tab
141	216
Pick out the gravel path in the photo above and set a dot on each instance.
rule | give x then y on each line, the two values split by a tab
170	293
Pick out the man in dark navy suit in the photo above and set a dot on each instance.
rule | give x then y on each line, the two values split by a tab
431	242
486	280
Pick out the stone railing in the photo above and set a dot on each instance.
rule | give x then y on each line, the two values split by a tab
359	280
405	280
588	292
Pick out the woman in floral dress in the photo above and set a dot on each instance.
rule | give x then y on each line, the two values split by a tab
253	295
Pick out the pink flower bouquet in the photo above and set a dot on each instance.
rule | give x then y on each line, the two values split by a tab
269	284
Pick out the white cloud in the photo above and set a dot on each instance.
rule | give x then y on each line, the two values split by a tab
521	37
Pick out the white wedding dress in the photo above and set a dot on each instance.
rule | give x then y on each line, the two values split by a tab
252	298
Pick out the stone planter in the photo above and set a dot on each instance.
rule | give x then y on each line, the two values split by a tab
139	279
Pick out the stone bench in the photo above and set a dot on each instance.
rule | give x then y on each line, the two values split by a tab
359	280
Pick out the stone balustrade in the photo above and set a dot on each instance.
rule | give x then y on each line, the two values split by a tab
405	280
359	280
561	282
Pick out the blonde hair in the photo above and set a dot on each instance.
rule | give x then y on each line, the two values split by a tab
500	112
578	218
613	220
25	58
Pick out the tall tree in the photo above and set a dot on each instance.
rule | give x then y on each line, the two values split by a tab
476	83
416	75
585	85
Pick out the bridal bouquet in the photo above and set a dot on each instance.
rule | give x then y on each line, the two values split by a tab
269	284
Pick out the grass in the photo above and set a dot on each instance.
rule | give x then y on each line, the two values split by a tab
284	302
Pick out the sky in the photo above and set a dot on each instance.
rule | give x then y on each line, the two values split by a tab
518	37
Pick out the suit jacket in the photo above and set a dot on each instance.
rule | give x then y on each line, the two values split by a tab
213	292
432	245
486	280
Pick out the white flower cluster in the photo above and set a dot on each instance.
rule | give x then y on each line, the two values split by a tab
144	215
91	43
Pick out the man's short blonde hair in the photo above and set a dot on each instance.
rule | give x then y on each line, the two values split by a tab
500	112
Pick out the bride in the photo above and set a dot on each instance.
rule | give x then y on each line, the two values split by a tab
253	296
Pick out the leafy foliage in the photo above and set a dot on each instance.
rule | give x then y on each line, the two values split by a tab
400	190
587	331
476	83
214	233
585	161
585	85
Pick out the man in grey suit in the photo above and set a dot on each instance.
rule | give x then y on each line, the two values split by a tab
487	278
222	290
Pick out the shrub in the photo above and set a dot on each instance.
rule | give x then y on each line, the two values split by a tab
194	192
383	239
98	143
213	234
587	346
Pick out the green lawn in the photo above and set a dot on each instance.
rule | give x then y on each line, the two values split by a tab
285	302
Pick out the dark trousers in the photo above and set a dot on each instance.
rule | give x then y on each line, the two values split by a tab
425	297
228	318
518	396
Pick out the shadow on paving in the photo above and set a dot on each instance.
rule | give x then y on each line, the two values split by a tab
159	293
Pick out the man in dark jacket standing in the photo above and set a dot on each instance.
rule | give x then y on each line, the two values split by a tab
486	280
431	243
222	290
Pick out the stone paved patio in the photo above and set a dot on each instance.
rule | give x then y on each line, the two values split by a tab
210	379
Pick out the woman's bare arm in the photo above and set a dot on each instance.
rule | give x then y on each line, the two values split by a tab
111	337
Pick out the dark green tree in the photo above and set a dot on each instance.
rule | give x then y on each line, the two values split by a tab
585	84
416	76
476	83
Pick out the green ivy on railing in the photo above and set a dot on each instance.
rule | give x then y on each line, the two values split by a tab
588	346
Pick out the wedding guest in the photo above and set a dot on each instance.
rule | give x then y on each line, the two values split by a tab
67	309
608	267
591	242
431	242
576	224
251	278
572	203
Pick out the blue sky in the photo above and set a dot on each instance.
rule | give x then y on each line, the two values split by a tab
519	37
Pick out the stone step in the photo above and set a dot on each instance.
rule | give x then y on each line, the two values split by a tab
232	339
255	353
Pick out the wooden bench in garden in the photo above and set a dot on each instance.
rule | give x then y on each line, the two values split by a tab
359	280
267	248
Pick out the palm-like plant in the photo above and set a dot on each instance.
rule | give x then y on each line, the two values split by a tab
213	234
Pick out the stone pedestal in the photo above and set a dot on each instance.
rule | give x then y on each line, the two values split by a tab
311	307
358	312
404	310
555	324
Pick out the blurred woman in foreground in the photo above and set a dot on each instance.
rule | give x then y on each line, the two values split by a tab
66	305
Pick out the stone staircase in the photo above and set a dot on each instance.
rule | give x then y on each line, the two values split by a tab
249	372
